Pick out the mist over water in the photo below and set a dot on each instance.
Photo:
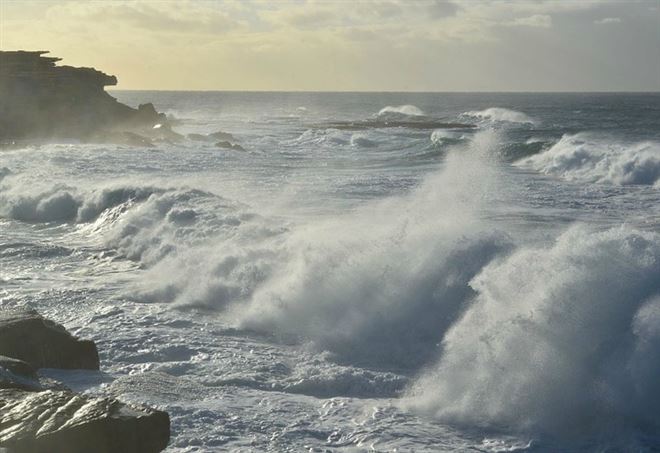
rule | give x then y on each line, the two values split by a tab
492	288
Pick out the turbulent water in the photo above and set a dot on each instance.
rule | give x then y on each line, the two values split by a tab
360	277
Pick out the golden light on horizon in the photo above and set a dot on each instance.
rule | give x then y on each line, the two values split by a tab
346	46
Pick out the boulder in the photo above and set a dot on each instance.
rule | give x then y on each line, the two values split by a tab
42	343
62	421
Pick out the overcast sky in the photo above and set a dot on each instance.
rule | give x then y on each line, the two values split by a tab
360	45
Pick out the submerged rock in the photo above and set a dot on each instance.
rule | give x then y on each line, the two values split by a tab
212	137
41	100
200	138
229	145
219	135
62	421
42	343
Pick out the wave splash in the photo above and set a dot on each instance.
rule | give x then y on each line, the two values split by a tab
498	114
141	223
401	110
562	339
589	158
376	286
380	289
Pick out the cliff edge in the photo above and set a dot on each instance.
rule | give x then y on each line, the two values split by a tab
41	100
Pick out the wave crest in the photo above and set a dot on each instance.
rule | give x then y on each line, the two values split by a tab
558	338
498	114
401	110
588	158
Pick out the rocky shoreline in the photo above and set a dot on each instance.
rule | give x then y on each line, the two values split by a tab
44	102
38	414
41	100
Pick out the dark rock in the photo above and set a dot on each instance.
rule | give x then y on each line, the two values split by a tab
17	367
41	100
42	343
17	374
62	421
229	145
221	136
163	131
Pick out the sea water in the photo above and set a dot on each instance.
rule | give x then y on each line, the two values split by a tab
369	288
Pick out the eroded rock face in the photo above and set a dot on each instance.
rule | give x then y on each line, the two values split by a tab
62	421
41	100
26	336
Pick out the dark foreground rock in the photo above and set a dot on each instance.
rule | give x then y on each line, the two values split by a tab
62	421
41	100
42	343
39	415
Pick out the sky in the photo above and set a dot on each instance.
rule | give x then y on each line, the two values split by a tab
349	45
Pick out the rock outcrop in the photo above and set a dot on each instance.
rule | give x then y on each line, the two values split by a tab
41	100
39	415
42	343
62	421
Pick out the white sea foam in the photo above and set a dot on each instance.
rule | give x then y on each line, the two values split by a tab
362	141
562	338
377	285
404	110
498	114
381	284
444	136
62	203
587	157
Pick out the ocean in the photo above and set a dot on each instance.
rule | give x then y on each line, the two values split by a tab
354	280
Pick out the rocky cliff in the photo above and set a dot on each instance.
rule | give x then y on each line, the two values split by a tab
41	100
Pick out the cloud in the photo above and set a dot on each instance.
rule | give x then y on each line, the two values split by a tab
303	17
537	20
442	8
607	20
167	17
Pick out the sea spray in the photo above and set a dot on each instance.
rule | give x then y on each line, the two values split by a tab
500	115
559	339
381	285
598	159
401	110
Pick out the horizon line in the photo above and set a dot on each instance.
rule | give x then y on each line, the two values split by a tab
391	91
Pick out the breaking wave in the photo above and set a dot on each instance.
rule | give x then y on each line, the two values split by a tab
379	285
142	223
497	114
62	203
588	158
401	110
563	339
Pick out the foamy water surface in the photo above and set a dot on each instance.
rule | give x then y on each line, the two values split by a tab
494	288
